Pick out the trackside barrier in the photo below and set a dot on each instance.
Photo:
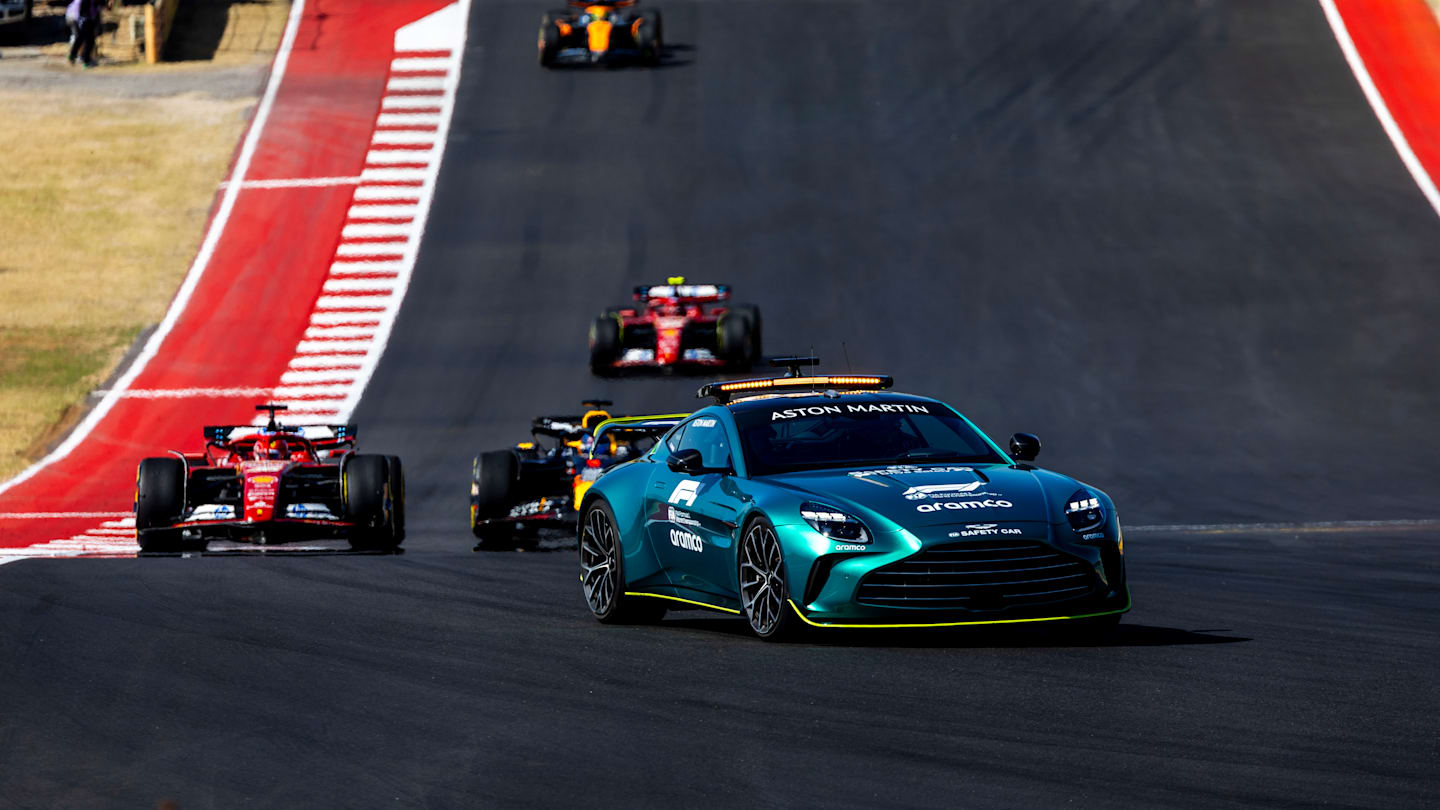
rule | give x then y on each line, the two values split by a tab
159	15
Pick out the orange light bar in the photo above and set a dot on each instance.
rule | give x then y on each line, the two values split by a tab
722	391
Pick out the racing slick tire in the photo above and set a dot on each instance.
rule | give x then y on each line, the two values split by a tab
492	494
370	503
396	471
764	596
757	333
159	502
604	345
549	39
651	41
602	571
736	339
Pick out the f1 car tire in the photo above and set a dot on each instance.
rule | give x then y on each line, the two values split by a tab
370	502
396	472
736	340
651	41
604	344
602	572
757	332
492	494
764	596
549	39
159	502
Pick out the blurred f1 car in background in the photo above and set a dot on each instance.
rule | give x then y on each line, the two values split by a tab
269	485
607	32
676	324
535	484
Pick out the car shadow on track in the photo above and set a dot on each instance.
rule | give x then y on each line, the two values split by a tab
1126	635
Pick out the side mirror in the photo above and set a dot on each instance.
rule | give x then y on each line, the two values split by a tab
687	462
1024	446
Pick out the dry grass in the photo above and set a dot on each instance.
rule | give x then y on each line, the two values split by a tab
104	202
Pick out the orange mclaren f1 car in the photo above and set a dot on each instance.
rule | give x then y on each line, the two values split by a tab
605	32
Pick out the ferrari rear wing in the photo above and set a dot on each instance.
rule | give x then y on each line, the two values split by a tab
630	428
315	433
698	293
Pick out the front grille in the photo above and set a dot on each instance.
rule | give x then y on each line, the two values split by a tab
987	575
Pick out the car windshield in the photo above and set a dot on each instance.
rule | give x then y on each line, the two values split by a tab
787	437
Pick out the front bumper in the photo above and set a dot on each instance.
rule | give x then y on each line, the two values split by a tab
1034	573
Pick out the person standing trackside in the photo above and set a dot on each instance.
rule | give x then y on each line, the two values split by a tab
83	17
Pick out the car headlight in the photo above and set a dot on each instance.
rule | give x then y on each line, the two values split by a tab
1084	511
833	523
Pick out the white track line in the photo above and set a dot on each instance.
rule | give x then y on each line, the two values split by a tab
420	63
380	157
202	258
1377	103
368	230
380	175
365	211
411	103
387	193
416	83
193	393
369	249
404	136
296	182
408	119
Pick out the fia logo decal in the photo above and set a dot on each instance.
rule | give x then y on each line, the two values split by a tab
685	492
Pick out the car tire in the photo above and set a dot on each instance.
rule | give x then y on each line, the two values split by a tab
548	41
604	345
651	42
764	594
757	333
492	494
369	502
396	471
602	571
159	502
736	340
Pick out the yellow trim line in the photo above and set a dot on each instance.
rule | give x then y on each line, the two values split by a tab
686	601
803	618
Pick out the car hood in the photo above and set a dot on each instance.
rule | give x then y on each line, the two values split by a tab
927	494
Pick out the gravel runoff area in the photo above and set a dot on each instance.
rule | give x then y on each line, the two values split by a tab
135	154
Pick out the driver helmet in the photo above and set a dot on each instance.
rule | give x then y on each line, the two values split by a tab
273	448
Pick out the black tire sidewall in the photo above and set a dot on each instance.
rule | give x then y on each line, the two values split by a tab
365	480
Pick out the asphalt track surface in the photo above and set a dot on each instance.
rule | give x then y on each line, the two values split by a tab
1168	237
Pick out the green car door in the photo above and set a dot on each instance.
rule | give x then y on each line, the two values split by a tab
691	513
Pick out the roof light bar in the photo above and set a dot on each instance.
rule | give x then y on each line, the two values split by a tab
723	392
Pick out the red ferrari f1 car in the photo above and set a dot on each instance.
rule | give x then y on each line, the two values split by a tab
272	484
676	324
606	32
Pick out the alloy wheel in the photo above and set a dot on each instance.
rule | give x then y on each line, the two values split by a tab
597	561
762	579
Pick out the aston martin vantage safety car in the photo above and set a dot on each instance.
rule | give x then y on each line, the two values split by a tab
596	32
676	324
534	485
269	485
829	501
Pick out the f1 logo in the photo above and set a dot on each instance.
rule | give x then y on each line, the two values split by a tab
685	492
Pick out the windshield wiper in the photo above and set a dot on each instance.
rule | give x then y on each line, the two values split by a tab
931	454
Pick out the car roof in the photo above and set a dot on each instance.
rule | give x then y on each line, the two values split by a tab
791	399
